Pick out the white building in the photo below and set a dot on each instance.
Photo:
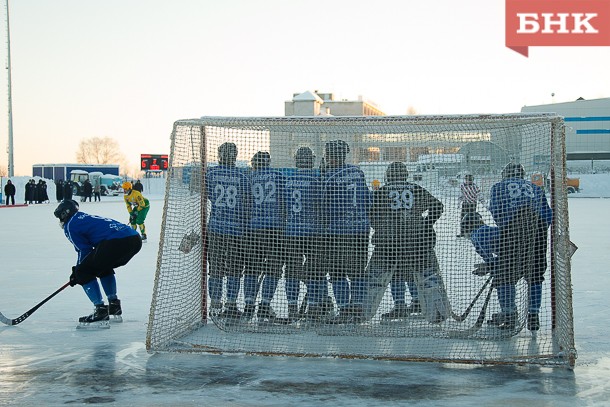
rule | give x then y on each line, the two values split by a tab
587	127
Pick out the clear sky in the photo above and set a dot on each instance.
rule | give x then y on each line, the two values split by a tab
127	69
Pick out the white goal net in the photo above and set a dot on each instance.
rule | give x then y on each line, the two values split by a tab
421	238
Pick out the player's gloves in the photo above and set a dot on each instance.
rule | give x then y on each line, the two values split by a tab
133	216
73	279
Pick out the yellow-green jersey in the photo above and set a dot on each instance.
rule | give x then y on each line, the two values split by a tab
135	200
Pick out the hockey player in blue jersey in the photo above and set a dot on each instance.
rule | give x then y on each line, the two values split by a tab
264	260
228	190
102	245
346	201
303	194
523	216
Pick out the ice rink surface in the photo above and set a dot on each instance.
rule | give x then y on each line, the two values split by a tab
45	361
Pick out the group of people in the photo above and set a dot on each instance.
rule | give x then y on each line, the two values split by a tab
315	225
36	192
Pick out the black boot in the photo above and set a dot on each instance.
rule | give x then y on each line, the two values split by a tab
99	314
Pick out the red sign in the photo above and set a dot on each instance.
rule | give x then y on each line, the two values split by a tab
154	162
556	23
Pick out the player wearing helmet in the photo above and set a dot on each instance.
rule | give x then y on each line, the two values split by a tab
228	190
102	245
523	216
403	216
346	201
137	206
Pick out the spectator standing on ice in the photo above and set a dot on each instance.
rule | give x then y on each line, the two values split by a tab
68	190
523	216
87	190
9	191
102	245
138	186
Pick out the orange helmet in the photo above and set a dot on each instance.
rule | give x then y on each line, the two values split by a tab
127	185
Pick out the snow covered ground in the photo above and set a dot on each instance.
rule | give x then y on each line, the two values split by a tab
45	361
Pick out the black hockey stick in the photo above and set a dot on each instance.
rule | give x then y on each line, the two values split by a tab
462	318
478	324
25	316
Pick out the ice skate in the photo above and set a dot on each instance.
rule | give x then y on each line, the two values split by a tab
504	320
402	311
265	313
114	311
231	314
143	237
99	319
351	314
533	322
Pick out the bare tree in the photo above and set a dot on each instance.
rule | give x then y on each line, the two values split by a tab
411	111
99	150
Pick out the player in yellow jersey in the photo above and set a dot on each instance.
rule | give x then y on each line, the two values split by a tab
137	206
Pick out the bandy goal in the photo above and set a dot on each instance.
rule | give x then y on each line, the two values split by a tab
418	238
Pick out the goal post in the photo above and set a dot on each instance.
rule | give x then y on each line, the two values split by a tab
346	237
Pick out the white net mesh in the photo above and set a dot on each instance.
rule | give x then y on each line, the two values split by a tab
413	238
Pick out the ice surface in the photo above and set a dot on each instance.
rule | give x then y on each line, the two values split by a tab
45	361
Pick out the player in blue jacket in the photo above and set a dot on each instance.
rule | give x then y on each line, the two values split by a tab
228	190
264	237
523	216
102	245
303	194
346	200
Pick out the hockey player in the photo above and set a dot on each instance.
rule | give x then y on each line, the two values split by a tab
228	190
102	245
303	190
485	240
403	215
264	261
346	201
137	206
523	216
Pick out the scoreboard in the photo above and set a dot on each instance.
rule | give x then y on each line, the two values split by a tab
154	162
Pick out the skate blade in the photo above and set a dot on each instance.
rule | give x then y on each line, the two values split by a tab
93	325
116	319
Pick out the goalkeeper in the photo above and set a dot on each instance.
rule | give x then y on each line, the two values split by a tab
137	206
403	216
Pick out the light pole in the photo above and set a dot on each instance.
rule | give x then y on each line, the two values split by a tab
11	164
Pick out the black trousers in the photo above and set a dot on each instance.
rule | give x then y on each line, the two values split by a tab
107	256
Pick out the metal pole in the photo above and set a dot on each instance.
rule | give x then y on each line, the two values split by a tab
11	164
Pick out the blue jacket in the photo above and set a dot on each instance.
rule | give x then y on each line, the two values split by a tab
303	194
86	232
510	195
346	201
228	190
268	210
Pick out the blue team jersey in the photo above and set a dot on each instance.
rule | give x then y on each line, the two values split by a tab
86	231
510	195
267	187
303	194
346	201
228	190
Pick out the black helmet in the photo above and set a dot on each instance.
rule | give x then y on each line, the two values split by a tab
65	210
304	157
261	159
471	222
336	149
513	170
227	153
396	172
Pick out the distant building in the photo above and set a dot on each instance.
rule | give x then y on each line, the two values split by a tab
587	127
324	104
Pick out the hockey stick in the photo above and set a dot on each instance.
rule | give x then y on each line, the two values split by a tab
25	316
462	318
478	324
